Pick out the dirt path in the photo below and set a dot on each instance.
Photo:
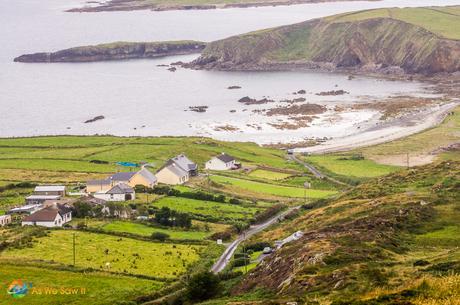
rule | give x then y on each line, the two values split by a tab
402	128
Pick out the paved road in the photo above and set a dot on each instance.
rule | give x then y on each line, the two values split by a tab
315	171
225	258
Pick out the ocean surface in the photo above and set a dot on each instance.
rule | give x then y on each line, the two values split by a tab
138	98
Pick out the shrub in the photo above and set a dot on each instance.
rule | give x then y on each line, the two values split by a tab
159	236
234	201
258	246
202	286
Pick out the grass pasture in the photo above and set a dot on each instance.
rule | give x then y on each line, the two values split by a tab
124	255
270	189
344	166
270	175
99	288
144	230
204	209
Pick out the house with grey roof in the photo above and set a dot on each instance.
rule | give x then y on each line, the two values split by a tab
119	192
185	164
49	190
221	162
142	177
171	173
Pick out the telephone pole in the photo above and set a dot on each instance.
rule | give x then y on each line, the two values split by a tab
74	249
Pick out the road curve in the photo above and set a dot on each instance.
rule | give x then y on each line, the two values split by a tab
225	258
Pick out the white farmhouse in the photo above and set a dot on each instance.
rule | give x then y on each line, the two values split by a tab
120	192
221	162
52	216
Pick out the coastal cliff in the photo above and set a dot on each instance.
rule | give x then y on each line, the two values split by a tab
116	51
381	44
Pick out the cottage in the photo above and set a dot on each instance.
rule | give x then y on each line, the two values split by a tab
221	162
5	220
172	174
185	164
47	190
120	192
52	216
142	177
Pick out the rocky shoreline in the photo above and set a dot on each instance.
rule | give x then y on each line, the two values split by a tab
116	51
136	5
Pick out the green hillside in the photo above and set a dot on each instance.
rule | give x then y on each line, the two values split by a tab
417	40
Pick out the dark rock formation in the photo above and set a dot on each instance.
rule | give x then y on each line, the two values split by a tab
116	51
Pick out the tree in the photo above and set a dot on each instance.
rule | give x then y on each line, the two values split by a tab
202	286
82	209
163	216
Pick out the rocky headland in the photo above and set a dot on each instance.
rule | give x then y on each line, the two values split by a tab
116	51
383	41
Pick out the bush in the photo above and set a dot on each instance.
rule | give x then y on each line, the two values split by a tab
266	214
234	201
242	261
225	235
99	162
202	286
258	246
159	236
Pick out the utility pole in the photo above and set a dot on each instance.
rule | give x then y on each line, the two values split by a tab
306	186
74	249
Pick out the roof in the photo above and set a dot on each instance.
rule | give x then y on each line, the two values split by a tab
225	158
47	214
63	209
172	167
26	207
121	188
91	199
185	163
43	197
50	188
99	182
147	175
122	176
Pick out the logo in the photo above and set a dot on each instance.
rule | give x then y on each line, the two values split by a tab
18	289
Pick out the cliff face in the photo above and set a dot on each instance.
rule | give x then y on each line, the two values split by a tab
116	51
372	44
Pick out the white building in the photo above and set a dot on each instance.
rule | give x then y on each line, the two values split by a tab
5	220
221	162
52	216
47	190
120	192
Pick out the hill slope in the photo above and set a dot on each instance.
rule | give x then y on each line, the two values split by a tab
391	232
422	41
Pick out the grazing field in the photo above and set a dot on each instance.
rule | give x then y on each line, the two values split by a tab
438	20
68	158
418	145
99	288
271	189
217	211
109	253
144	230
270	175
344	165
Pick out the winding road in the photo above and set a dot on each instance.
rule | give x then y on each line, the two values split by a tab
225	258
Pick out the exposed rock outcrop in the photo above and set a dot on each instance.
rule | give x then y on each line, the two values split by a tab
116	51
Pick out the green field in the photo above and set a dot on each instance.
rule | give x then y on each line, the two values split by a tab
109	253
99	288
144	230
64	158
221	211
444	21
270	175
271	189
344	166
